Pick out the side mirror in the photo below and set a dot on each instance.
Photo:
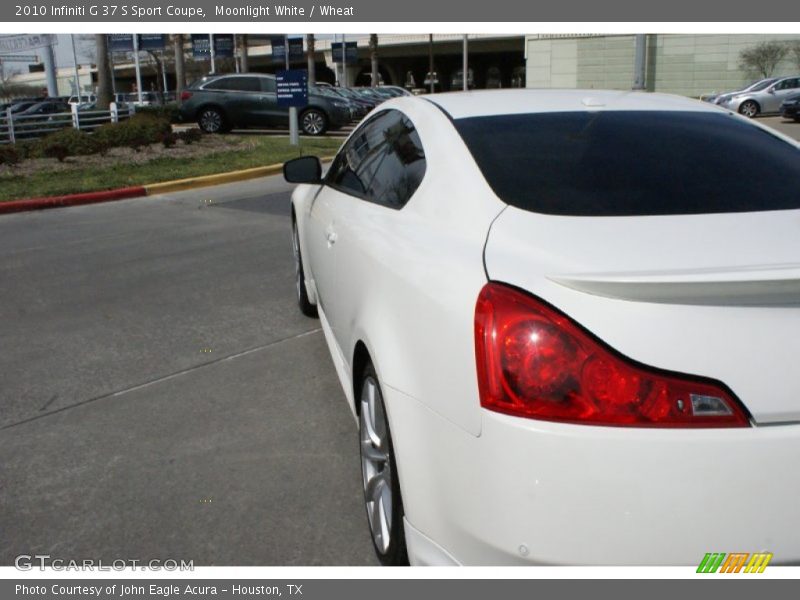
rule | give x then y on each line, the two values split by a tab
306	169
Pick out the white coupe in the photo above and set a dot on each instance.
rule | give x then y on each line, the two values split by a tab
567	322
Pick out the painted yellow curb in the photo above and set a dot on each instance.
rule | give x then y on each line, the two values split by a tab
190	183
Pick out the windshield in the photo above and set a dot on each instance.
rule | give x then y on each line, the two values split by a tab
761	85
627	163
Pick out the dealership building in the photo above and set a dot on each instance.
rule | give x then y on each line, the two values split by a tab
686	64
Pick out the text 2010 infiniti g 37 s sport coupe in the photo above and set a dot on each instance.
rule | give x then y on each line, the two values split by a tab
567	322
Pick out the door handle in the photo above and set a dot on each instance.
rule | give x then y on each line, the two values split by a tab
331	236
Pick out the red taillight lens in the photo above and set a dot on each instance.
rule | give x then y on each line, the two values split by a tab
185	95
535	362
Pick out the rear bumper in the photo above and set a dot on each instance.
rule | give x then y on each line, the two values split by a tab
528	492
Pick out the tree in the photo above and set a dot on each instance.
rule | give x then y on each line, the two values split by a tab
104	91
312	59
245	57
763	58
373	57
796	54
180	65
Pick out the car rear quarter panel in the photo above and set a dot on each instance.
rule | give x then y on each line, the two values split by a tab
408	279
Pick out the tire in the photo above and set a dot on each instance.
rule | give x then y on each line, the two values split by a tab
749	108
212	120
303	302
313	122
382	499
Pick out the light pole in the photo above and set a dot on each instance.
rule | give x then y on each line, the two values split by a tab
211	53
465	67
138	68
75	65
294	136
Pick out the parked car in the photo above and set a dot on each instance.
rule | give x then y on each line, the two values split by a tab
148	99
394	90
220	103
585	355
765	101
457	80
82	99
365	100
43	110
755	86
22	105
790	108
359	106
336	94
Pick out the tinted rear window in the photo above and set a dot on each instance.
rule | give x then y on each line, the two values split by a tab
615	163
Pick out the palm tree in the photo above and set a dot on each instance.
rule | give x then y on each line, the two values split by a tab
245	59
104	93
180	66
373	57
312	59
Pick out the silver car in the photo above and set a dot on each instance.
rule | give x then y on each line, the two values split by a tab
766	101
755	86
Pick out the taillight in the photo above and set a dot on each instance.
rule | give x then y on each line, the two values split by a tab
535	362
185	95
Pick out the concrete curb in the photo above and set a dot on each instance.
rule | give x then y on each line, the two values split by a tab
177	185
71	199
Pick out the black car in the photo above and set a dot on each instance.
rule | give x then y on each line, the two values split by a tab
790	108
224	102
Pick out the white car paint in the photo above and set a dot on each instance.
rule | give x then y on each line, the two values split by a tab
480	487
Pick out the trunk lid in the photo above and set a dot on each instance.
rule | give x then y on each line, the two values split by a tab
713	295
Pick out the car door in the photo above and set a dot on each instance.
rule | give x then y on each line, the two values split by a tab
240	97
391	169
274	115
341	182
780	91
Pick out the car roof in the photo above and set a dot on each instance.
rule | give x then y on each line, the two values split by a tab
460	105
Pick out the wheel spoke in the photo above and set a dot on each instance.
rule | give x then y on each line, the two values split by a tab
371	453
375	487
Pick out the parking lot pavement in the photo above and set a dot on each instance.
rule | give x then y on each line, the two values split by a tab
161	395
785	126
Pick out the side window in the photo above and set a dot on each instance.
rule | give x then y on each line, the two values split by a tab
267	84
787	84
236	84
383	162
401	165
351	171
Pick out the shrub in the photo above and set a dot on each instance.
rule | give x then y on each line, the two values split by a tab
168	139
68	142
57	151
140	130
190	136
9	155
29	149
169	112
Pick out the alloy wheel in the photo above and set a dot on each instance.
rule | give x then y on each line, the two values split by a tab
211	121
376	464
313	122
298	270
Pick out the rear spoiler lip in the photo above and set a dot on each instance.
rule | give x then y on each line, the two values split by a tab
767	285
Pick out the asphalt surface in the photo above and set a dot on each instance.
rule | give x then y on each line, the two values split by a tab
162	397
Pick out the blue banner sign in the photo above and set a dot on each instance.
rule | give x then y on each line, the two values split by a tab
292	87
350	51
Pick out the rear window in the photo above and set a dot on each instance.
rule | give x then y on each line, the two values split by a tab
633	163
